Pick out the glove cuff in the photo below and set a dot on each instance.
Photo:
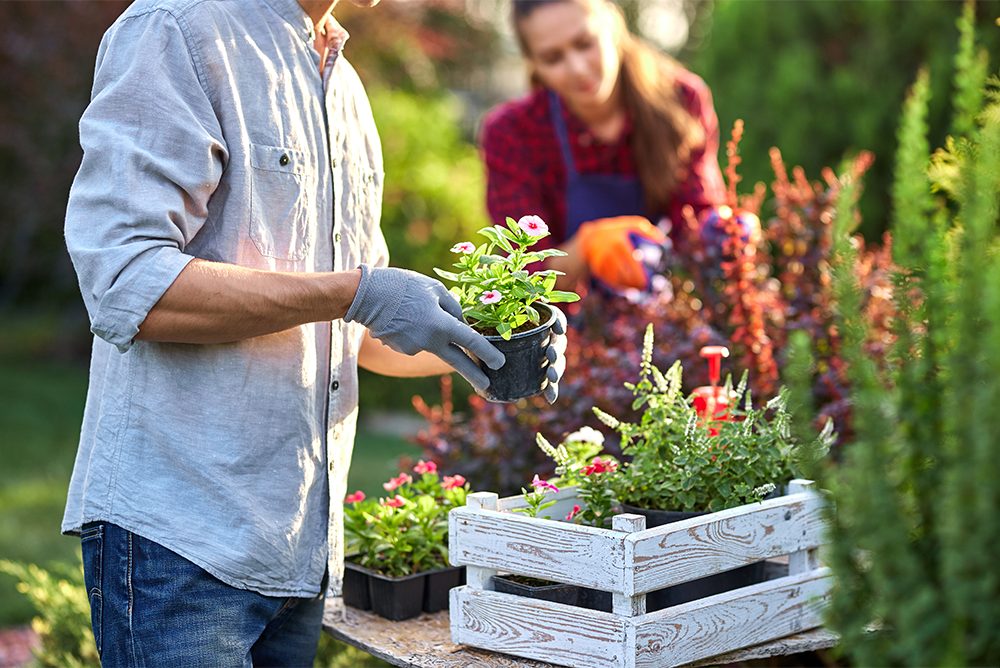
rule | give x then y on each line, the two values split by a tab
379	295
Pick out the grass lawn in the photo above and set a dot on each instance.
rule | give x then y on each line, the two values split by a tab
41	407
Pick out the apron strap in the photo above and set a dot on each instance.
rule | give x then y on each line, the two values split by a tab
555	110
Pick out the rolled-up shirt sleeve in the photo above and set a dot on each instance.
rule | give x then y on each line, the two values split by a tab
153	154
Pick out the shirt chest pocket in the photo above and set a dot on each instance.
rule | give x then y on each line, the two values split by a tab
282	202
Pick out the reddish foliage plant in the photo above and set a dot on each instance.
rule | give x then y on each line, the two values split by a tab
746	293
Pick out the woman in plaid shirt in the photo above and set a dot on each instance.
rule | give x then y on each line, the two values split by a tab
612	130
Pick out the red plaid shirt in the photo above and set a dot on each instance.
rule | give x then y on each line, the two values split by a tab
525	168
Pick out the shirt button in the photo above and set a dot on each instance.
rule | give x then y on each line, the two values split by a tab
283	160
335	385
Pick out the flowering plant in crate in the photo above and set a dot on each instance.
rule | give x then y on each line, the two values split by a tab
496	291
407	531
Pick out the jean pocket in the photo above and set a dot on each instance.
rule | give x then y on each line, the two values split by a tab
92	548
282	202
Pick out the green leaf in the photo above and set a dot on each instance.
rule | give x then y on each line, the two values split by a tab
447	275
491	259
559	296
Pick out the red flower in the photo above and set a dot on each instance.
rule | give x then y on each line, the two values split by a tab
398	502
453	481
354	498
425	467
396	482
573	513
598	466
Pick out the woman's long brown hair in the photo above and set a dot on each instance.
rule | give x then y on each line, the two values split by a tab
664	133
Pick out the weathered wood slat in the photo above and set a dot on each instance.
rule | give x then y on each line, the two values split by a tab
558	551
541	630
701	546
728	621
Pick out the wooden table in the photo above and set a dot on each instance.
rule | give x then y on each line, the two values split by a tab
425	642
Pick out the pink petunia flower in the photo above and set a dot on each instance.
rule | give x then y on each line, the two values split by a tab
490	297
533	225
354	498
572	513
425	467
398	502
465	247
536	483
453	481
396	482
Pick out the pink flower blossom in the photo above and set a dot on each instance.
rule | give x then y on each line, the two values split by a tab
465	247
396	482
572	513
533	225
398	502
453	481
425	467
490	297
536	483
597	466
354	498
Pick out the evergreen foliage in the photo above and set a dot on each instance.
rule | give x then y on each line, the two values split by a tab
826	77
916	535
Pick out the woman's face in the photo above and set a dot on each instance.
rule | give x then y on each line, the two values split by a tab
573	52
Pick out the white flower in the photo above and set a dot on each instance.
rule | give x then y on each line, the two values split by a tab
587	435
464	247
533	225
490	297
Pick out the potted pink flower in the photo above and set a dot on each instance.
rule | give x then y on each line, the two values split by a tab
400	568
509	305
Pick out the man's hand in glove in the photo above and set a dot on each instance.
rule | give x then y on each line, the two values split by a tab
410	312
555	353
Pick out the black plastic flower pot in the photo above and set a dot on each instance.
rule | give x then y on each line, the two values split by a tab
557	593
743	576
595	599
523	373
356	586
397	599
439	583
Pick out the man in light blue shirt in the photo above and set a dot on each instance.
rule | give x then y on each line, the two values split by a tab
224	228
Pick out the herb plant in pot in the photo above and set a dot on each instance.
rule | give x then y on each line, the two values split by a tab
508	304
400	566
685	463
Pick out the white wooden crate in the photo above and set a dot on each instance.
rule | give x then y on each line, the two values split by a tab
630	560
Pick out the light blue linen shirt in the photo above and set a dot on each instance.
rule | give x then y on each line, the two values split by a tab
211	134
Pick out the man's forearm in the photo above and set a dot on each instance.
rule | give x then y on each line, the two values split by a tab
381	359
212	302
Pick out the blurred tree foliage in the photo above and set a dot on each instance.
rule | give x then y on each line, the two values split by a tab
47	52
434	182
821	79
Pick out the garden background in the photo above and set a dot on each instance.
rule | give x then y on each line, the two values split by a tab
821	80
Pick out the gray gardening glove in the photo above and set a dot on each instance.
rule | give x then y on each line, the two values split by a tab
410	312
555	354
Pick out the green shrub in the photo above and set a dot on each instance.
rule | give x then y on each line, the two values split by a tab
63	623
824	77
916	535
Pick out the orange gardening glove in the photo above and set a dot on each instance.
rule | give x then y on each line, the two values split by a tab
608	246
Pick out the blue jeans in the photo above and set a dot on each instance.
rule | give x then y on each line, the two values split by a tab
151	607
